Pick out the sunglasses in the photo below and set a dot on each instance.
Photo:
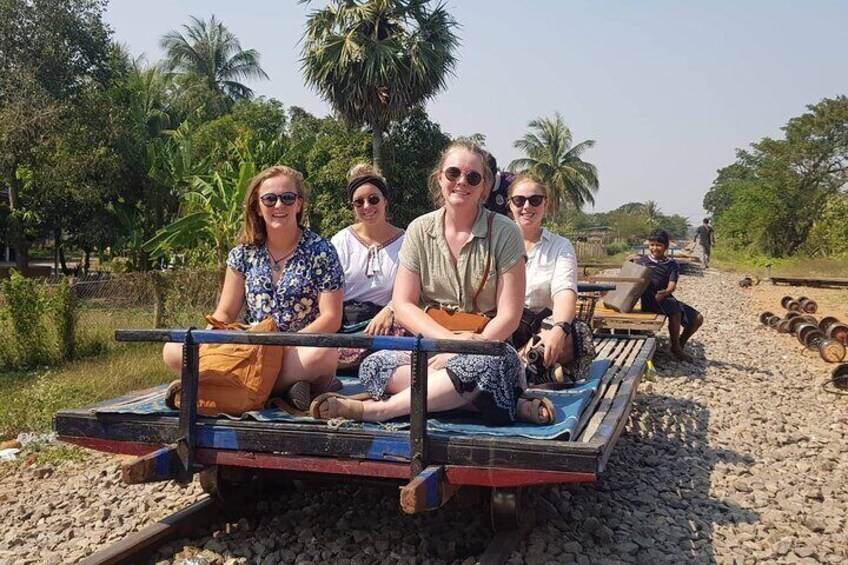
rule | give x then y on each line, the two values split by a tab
372	199
287	198
453	174
535	200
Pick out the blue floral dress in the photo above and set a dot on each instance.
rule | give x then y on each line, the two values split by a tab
313	268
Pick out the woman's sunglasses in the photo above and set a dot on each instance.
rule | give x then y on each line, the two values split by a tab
453	174
372	199
535	200
287	198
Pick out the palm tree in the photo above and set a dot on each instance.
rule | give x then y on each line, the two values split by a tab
652	212
551	156
376	60
212	53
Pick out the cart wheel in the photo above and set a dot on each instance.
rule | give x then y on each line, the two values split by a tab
227	484
509	509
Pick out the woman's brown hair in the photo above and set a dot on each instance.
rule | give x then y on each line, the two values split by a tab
253	229
433	180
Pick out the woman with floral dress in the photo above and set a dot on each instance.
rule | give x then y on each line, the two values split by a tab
288	272
463	258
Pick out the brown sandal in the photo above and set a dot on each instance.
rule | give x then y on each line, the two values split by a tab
533	417
336	409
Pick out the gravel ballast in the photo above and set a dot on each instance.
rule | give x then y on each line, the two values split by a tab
738	457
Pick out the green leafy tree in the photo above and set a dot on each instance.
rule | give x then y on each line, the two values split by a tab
210	56
412	149
552	156
769	200
374	60
51	51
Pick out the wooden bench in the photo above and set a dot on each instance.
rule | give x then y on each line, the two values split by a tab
635	322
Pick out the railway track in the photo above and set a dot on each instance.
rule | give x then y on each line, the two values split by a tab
140	546
137	547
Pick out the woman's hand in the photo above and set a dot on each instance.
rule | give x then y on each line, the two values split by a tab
439	361
554	342
381	324
662	294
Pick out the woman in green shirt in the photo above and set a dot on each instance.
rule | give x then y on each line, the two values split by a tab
464	258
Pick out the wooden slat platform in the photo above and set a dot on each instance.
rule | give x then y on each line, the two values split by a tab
601	424
808	281
607	320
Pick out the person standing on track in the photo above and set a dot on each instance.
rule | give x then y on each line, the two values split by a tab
705	237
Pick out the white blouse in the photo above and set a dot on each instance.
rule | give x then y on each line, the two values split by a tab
369	270
551	269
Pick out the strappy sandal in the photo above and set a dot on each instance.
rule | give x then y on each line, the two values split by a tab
336	409
298	395
532	415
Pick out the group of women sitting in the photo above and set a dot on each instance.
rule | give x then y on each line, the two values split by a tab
374	276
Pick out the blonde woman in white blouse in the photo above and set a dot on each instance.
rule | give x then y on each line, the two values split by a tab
551	280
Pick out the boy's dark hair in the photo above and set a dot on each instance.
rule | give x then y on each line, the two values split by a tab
492	163
706	220
660	236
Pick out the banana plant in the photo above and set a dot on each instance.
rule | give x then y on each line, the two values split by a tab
211	214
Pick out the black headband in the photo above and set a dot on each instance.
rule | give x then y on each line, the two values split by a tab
367	179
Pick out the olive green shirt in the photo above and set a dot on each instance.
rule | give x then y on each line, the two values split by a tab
452	284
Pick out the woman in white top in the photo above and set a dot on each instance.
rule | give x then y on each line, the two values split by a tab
368	251
551	283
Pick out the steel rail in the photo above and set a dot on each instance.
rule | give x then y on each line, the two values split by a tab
136	547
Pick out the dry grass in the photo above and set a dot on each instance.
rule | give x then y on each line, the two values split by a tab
30	399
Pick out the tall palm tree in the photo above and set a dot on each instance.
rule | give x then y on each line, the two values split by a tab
376	60
551	156
211	52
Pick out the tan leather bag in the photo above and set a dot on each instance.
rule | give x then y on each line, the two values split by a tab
456	321
234	378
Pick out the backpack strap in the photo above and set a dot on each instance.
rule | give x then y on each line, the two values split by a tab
485	278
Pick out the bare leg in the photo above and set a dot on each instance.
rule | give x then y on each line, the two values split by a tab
172	353
691	329
316	365
674	335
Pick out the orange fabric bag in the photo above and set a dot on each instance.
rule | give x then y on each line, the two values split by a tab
234	378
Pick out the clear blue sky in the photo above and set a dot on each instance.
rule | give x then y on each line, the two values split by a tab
667	89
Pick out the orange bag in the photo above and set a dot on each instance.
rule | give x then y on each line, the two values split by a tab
464	321
458	321
234	378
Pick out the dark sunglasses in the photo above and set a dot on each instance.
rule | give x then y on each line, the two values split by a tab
453	174
535	200
287	198
372	199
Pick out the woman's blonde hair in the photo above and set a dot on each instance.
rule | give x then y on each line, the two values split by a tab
433	180
530	178
253	230
364	170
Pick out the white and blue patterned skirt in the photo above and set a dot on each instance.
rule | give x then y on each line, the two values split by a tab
492	384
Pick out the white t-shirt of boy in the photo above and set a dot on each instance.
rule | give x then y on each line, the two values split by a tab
551	269
369	270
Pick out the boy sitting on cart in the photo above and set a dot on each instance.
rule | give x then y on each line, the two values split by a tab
683	320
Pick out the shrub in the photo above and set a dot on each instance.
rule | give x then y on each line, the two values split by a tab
23	316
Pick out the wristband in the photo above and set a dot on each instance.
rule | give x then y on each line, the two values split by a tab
565	326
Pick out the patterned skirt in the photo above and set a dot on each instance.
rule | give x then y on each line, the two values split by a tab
492	384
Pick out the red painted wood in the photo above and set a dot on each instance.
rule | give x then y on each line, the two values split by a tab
356	467
112	446
500	477
456	475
